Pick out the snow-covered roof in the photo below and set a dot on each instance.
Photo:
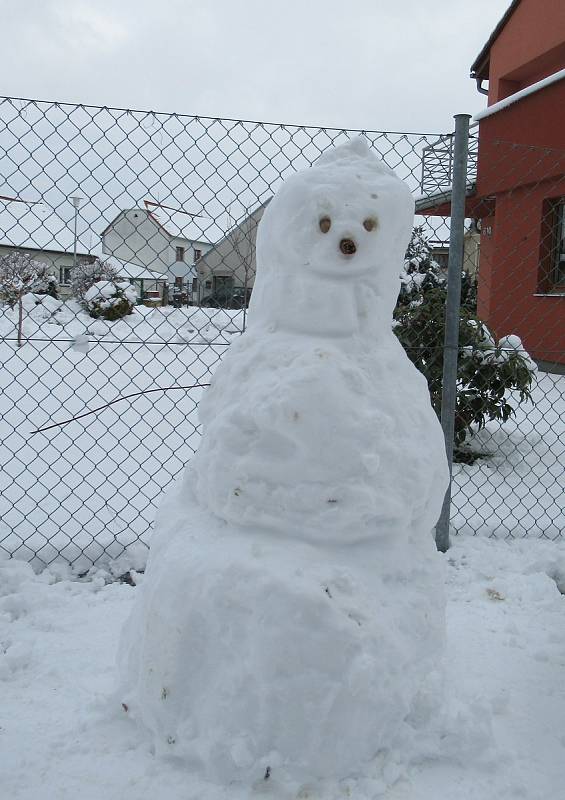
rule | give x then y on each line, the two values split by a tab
514	98
182	224
128	270
36	226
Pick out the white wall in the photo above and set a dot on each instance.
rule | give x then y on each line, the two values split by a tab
183	269
233	256
134	236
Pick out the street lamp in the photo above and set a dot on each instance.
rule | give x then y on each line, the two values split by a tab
76	203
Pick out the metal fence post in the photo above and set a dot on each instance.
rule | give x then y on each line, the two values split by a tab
452	312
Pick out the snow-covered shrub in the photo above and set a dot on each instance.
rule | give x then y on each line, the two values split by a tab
46	283
87	273
487	371
110	300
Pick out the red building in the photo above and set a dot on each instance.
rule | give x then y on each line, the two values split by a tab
519	194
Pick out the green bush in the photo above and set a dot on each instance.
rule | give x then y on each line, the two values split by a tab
486	371
110	300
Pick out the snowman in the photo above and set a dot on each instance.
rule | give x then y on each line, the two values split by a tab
292	607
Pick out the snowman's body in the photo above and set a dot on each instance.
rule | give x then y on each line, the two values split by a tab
293	601
328	442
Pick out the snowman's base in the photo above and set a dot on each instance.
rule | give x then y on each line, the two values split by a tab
247	652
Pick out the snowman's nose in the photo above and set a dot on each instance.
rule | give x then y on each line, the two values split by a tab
347	247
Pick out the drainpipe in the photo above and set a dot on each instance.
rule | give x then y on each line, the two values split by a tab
480	86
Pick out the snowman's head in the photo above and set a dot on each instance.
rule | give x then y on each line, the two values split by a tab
346	217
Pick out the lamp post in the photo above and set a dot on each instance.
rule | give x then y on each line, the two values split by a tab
76	203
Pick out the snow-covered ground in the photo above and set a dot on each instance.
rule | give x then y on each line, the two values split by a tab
63	732
518	489
89	489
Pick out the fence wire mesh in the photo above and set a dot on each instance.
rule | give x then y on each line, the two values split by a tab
97	202
518	197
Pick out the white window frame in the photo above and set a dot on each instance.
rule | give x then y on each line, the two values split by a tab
559	247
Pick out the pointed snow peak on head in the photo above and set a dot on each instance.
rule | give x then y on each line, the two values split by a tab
354	153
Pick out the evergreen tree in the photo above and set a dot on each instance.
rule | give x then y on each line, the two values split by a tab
421	272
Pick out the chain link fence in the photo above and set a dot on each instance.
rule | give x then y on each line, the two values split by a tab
99	410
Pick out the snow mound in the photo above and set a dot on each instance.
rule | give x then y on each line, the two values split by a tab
246	653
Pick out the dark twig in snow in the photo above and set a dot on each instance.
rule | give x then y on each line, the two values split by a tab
117	400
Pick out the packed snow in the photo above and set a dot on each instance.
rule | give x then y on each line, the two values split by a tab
292	613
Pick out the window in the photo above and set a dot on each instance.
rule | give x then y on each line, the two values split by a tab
178	282
194	285
180	254
65	275
552	246
208	285
440	256
559	243
197	254
223	282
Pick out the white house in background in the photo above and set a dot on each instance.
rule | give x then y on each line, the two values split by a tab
37	229
158	237
230	264
34	228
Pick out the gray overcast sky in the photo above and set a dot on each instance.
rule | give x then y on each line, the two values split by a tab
374	64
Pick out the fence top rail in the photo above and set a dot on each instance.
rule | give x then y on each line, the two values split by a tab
149	112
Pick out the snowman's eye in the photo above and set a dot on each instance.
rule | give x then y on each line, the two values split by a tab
325	224
370	224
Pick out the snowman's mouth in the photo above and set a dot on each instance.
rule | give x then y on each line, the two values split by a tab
347	247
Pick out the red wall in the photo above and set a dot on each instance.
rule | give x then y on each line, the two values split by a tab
530	46
512	272
537	122
522	164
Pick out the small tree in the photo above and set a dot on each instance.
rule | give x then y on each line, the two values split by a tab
87	273
19	274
